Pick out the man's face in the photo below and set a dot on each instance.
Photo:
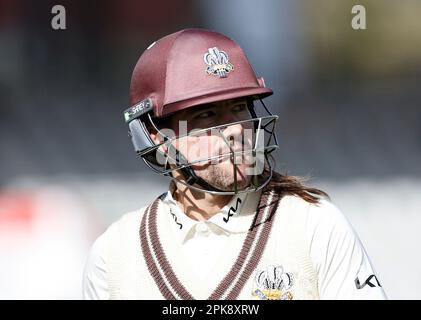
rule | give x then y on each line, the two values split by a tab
216	143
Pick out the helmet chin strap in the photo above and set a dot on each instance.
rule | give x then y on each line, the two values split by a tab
189	175
192	178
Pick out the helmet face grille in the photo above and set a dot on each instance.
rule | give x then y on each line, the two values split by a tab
249	151
195	67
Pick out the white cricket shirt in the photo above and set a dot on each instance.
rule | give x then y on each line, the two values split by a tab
338	257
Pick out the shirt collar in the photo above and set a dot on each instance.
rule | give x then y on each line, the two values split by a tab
235	217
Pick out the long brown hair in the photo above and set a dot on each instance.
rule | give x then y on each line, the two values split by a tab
294	185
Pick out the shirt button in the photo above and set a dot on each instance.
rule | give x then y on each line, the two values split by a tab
202	228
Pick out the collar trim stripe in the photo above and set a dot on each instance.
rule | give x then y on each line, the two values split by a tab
259	247
247	260
150	261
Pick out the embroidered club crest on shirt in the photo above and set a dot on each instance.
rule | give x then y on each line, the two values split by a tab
273	283
218	62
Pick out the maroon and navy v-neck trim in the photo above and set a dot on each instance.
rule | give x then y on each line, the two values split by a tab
231	285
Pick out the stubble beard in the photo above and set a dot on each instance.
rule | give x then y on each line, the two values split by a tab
221	176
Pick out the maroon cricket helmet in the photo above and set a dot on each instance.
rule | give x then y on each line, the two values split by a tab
193	67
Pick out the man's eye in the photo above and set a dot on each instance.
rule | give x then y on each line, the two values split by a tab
204	115
239	107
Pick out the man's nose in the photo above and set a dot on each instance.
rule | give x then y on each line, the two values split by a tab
233	131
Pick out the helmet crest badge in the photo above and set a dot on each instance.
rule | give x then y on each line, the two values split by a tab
218	62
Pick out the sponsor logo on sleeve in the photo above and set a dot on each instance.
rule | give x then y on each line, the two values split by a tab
371	281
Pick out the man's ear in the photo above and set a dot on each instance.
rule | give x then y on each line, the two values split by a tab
154	137
157	138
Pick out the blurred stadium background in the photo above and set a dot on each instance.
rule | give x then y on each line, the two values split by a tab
349	105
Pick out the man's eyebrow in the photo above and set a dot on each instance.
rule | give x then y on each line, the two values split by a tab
212	105
203	107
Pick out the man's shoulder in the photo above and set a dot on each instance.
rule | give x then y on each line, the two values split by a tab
323	209
127	220
127	224
323	217
122	231
291	202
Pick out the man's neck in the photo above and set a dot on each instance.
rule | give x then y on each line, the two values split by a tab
199	205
